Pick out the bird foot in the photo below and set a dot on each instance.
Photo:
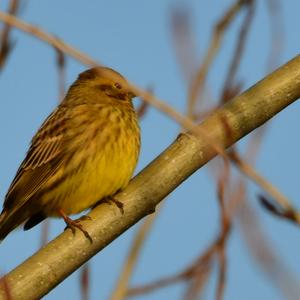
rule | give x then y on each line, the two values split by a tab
73	224
83	218
110	200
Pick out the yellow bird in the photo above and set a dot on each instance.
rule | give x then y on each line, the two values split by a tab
84	152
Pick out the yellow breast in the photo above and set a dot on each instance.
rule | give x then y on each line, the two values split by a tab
103	163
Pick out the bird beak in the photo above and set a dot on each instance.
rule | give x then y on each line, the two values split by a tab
131	95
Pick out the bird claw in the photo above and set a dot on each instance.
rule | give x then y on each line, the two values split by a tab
83	218
73	224
119	204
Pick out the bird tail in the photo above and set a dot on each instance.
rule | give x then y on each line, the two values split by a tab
8	223
2	225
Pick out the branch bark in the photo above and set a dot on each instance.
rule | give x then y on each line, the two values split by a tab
52	264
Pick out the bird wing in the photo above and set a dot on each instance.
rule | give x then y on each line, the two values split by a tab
41	162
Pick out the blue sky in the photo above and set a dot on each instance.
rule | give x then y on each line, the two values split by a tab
134	38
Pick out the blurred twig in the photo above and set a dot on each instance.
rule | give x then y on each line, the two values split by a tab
264	253
250	172
61	68
184	40
197	273
225	226
259	244
50	39
254	236
198	82
223	182
6	45
229	88
277	34
200	267
142	109
217	250
122	284
85	281
273	207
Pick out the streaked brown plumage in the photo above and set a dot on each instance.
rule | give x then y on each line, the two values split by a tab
85	151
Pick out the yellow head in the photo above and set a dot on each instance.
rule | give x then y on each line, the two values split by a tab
98	85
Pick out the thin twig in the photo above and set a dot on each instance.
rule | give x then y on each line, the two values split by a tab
142	109
250	172
225	226
85	281
61	70
199	272
265	254
184	121
5	42
273	207
184	40
122	284
277	34
238	52
201	266
259	245
218	34
48	38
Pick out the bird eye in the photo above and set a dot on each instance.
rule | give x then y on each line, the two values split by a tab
118	86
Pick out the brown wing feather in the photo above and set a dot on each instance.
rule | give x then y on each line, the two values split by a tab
41	161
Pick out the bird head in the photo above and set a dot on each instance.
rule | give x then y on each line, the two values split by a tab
102	81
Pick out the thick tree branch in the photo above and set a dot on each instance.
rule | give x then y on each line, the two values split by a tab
52	264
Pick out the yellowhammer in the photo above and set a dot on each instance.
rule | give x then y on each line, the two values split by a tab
84	152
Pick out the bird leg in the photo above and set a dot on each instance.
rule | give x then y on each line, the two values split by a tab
73	224
111	200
